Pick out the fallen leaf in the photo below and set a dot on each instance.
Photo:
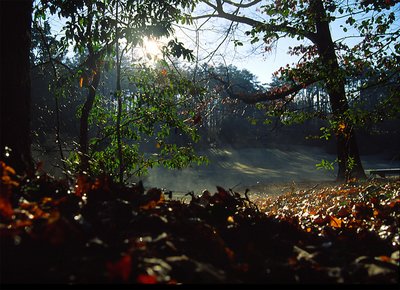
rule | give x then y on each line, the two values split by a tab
121	269
146	279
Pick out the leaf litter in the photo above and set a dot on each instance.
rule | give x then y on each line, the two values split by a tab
102	232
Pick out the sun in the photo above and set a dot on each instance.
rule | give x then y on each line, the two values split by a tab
152	48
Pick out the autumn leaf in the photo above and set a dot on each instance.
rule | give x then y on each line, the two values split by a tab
341	127
230	253
394	203
385	259
7	173
146	279
82	185
6	209
151	204
8	169
335	222
343	212
7	183
81	82
153	197
121	269
101	183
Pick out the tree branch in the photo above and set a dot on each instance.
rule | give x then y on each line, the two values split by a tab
254	23
242	5
54	60
274	94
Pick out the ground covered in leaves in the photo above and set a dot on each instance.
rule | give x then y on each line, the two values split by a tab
97	231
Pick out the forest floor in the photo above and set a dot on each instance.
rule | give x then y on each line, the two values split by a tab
99	232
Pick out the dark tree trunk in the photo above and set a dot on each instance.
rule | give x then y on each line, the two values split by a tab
347	148
87	107
16	20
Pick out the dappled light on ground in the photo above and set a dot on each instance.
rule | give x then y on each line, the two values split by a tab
246	169
242	168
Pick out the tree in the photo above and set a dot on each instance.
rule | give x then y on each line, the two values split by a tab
95	29
16	18
323	59
102	32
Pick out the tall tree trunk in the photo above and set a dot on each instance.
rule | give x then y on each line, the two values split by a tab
87	107
92	80
16	20
119	99
349	161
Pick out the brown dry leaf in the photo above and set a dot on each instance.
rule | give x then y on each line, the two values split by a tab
335	222
343	212
153	197
151	204
230	253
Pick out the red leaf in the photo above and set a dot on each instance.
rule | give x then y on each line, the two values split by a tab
222	194
6	209
146	279
82	185
121	269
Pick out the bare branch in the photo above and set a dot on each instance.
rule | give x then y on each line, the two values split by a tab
54	60
242	5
